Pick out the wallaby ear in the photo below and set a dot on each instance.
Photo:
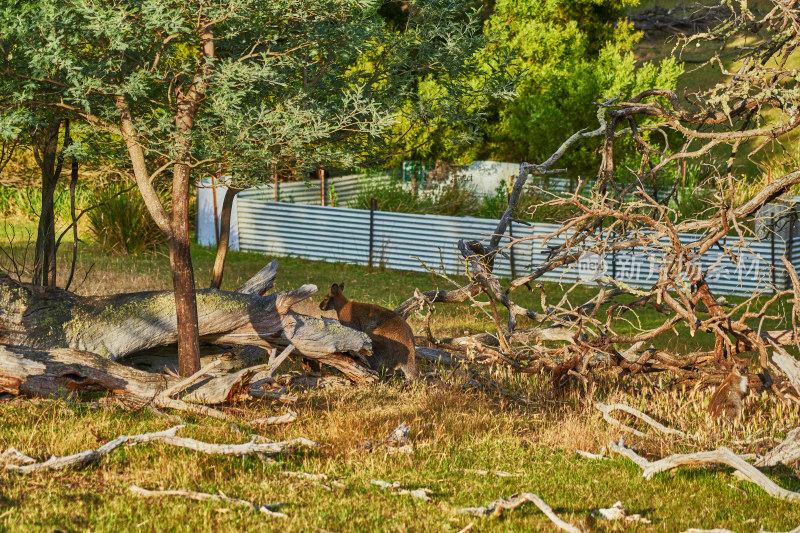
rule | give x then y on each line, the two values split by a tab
334	289
341	287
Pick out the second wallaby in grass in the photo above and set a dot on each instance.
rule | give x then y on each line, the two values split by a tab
727	401
392	338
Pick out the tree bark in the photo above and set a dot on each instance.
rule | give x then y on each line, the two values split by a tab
180	260
224	237
50	163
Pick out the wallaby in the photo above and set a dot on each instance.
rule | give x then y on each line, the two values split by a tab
727	398
392	338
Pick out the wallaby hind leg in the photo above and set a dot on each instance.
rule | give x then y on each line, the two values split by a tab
310	365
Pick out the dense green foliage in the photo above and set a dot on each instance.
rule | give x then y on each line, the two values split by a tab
566	55
291	83
456	198
121	224
25	202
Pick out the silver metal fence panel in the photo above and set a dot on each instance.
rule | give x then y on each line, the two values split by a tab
401	241
311	232
732	267
406	241
308	192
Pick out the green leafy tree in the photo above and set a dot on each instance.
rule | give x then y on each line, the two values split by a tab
565	55
186	85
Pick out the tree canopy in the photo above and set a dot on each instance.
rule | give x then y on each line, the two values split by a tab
290	82
177	86
565	55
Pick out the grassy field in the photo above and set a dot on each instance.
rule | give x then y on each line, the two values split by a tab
454	430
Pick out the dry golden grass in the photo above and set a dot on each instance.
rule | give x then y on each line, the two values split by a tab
453	429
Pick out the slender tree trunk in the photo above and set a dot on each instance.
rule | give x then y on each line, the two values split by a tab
224	237
176	224
50	163
179	252
180	260
73	183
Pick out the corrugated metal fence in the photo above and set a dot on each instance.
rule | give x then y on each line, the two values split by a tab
406	241
343	188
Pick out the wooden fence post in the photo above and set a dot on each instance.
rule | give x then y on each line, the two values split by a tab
373	205
321	177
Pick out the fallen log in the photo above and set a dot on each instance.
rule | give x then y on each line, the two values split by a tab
48	318
52	373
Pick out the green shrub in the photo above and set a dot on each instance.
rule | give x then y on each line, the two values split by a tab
391	196
456	198
121	223
26	202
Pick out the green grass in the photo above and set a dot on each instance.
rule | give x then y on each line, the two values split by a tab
468	431
452	429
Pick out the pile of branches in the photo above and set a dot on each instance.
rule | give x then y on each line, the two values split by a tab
618	214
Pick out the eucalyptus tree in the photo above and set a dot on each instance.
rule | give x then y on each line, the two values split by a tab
187	85
47	137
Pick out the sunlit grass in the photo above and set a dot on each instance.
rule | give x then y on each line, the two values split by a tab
453	429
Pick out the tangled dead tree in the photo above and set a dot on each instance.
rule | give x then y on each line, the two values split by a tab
632	207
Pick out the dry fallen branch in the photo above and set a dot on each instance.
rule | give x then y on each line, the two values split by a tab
608	409
206	497
497	507
595	456
397	489
721	455
786	452
247	448
23	465
620	449
12	456
286	418
88	457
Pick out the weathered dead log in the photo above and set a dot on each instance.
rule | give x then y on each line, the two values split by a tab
114	326
205	497
48	373
721	455
787	452
43	373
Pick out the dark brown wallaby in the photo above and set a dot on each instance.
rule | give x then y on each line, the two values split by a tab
392	338
726	402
